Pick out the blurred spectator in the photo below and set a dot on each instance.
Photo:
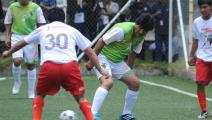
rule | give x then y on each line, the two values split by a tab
92	18
137	8
161	13
36	1
108	9
46	5
77	15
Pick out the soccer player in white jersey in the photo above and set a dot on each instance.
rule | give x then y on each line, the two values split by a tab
59	65
201	52
21	19
123	40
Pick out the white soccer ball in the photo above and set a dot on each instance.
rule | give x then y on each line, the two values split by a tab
68	115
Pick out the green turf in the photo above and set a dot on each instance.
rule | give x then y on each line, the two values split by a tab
153	103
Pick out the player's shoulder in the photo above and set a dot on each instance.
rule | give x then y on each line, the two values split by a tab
14	4
197	20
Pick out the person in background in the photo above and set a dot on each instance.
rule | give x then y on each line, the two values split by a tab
108	9
201	53
160	11
21	19
46	5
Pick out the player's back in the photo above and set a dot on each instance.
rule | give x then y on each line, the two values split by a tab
58	42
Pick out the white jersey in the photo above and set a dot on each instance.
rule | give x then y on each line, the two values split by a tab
58	42
202	31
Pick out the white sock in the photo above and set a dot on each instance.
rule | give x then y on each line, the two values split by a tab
31	80
16	70
130	100
99	98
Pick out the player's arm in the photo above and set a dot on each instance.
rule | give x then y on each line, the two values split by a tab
8	25
115	35
14	48
40	17
93	59
192	57
131	59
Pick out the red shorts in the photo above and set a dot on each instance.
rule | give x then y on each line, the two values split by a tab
52	76
203	71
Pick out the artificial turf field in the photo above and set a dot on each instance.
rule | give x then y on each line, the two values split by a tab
154	103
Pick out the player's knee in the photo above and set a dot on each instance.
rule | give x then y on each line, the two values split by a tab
107	83
17	62
30	66
134	84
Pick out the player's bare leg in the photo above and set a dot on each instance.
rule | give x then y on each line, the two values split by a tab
100	95
84	106
31	75
16	70
202	100
37	106
131	96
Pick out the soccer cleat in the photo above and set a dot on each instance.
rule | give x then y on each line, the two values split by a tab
31	94
16	88
127	117
96	116
203	115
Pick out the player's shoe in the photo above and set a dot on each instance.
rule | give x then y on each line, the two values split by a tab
203	115
97	116
128	117
16	88
31	94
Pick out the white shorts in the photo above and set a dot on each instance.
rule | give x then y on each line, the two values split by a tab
116	70
29	52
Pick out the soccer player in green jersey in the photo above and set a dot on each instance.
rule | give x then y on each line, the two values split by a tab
121	41
21	19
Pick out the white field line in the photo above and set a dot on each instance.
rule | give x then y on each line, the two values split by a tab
173	89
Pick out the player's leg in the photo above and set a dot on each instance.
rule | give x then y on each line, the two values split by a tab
72	82
37	105
131	95
202	79
85	106
48	84
16	70
30	58
125	74
103	89
16	67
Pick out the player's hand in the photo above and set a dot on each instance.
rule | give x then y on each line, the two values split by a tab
192	60
5	54
104	72
89	66
7	42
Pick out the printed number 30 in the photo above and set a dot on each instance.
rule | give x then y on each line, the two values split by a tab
56	41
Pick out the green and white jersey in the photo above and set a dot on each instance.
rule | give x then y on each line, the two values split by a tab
24	19
120	41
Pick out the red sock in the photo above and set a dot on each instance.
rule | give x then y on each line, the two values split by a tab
202	101
37	105
86	109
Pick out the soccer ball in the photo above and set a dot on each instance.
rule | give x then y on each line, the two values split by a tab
68	115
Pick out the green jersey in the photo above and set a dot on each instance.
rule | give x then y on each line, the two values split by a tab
24	18
119	50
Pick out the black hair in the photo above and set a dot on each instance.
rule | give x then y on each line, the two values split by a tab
56	14
145	21
200	2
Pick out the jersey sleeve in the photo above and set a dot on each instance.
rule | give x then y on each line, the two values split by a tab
194	31
81	41
40	17
138	49
8	17
115	35
33	37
